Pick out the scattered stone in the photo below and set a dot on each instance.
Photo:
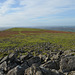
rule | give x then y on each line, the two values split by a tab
54	63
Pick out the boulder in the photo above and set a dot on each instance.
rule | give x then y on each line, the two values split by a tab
25	57
67	63
11	58
50	72
43	58
71	73
3	59
39	73
33	70
68	53
22	57
24	65
51	65
1	72
3	66
11	65
56	72
18	70
57	56
34	60
46	71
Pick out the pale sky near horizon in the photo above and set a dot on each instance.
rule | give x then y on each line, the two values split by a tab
18	13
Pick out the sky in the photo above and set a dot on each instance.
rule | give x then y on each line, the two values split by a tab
27	13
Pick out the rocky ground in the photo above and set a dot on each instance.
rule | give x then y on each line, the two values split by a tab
54	63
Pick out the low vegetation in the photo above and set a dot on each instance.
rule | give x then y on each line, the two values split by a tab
35	40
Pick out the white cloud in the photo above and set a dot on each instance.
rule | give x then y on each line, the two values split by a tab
31	9
6	6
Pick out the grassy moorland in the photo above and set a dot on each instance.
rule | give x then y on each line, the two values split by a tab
35	40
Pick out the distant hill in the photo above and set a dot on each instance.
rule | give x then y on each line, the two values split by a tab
40	28
4	28
70	29
59	28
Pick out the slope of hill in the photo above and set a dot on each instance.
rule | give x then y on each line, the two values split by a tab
25	29
26	50
29	39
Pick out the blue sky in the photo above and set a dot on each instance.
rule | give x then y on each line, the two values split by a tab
19	13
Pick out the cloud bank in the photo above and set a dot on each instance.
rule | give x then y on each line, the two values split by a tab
37	12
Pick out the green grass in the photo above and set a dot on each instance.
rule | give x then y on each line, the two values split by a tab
24	29
60	41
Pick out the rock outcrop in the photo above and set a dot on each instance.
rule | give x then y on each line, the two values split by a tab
67	63
59	63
